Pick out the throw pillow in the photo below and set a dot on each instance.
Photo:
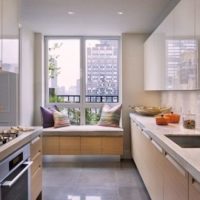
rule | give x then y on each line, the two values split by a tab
60	119
47	116
110	116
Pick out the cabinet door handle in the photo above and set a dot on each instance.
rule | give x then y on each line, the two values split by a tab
35	140
196	184
176	165
157	146
146	135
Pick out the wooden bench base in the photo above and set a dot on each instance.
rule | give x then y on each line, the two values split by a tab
63	142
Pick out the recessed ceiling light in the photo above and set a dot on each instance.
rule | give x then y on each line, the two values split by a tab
70	12
120	13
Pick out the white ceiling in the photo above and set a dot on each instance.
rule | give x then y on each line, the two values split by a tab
94	17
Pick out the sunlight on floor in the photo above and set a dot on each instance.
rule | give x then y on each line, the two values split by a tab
71	197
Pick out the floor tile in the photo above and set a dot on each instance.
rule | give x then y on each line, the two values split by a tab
93	181
133	193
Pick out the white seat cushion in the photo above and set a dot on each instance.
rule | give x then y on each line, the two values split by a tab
84	130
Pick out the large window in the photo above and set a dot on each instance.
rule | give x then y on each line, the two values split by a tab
82	74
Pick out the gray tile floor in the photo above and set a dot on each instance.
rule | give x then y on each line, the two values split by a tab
93	181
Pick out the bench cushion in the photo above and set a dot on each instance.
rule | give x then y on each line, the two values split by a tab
84	130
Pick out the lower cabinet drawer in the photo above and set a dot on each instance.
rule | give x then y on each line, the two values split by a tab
50	145
37	162
36	183
36	146
70	145
91	145
112	145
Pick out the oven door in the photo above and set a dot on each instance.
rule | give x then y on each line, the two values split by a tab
16	185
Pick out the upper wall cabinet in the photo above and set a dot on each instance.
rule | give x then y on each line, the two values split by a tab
171	52
9	44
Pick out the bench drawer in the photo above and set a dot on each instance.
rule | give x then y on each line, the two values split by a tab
90	145
112	145
50	145
70	145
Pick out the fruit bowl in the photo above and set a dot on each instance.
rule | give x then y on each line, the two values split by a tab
150	110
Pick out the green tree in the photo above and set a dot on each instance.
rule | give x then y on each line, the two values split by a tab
54	70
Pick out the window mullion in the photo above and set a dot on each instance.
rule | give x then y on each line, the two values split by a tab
83	79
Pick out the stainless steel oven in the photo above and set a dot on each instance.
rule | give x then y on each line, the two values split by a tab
15	175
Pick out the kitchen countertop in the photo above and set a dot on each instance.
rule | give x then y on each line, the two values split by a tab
188	158
22	139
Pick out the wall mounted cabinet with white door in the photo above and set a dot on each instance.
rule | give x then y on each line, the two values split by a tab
9	26
9	61
172	64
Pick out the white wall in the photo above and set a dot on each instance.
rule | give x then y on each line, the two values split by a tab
26	103
38	77
133	82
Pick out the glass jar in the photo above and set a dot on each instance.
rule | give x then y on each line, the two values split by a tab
189	121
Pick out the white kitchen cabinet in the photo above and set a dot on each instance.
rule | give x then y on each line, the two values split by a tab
163	177
184	19
10	35
194	189
175	180
197	19
171	52
149	161
154	53
8	99
1	35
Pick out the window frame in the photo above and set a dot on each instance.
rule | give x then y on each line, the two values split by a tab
82	105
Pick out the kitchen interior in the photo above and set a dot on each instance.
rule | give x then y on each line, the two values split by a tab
156	155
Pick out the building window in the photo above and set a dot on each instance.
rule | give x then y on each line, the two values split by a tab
82	74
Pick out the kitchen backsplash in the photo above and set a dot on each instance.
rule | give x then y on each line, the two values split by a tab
183	102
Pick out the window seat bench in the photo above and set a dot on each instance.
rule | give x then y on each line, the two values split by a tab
83	140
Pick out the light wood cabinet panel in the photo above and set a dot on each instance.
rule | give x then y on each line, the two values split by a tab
36	146
175	181
112	145
66	145
91	145
194	189
70	145
36	184
37	162
51	145
36	168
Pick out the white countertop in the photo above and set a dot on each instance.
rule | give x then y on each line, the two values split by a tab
188	158
22	139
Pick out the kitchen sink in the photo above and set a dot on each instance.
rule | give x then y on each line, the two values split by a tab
186	141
